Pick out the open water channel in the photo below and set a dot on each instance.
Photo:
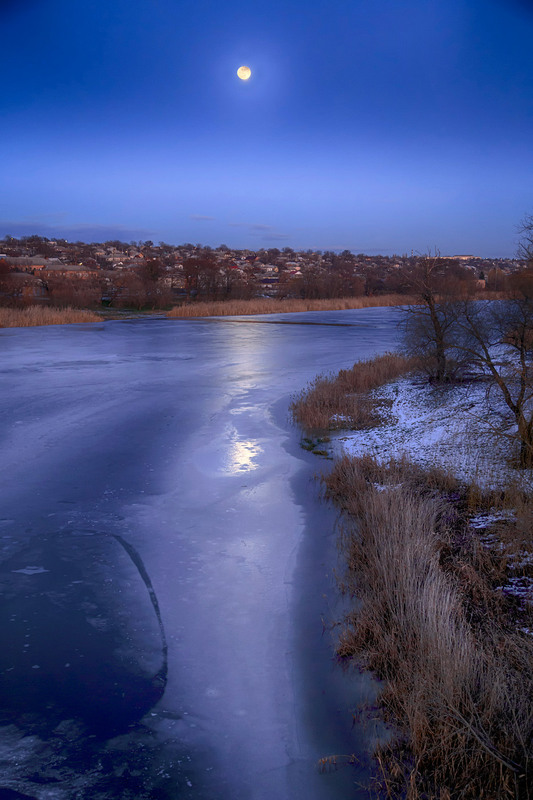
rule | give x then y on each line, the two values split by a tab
167	570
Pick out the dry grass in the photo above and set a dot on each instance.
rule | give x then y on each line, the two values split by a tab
286	306
43	315
430	620
342	401
457	676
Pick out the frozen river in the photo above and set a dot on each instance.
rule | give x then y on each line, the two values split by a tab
167	568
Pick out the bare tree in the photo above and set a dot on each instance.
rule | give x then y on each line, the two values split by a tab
128	290
497	338
74	291
151	271
5	283
525	246
202	276
435	284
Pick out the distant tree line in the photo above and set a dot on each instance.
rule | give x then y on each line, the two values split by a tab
144	275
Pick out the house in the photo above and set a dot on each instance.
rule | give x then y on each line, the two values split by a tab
68	271
31	264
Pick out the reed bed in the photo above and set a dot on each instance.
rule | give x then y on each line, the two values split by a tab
458	685
218	308
342	401
43	315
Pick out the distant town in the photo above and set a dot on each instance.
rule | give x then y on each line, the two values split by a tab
35	270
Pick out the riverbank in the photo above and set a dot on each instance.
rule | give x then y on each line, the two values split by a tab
33	316
44	315
438	550
271	305
49	315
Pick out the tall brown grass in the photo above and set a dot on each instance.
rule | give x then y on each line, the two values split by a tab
342	401
43	315
458	680
276	306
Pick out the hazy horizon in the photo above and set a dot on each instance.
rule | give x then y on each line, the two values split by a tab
139	243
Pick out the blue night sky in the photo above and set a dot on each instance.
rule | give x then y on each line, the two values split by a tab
374	125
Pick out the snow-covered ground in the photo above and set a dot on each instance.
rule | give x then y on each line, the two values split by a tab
447	427
450	428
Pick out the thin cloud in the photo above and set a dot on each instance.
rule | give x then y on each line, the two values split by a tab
370	250
256	228
83	231
276	237
338	248
201	218
252	226
51	218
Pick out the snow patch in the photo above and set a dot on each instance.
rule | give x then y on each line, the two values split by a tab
432	426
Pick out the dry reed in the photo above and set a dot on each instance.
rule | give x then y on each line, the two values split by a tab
217	308
342	401
43	315
457	676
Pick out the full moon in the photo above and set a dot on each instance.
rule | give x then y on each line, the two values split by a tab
244	73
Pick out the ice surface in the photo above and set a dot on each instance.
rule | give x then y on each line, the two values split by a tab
173	437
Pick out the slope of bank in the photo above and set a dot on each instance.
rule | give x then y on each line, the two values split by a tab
444	427
438	550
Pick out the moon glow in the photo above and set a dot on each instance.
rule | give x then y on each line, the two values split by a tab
244	73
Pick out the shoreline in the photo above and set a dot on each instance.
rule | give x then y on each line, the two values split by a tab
273	305
323	692
36	315
447	630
